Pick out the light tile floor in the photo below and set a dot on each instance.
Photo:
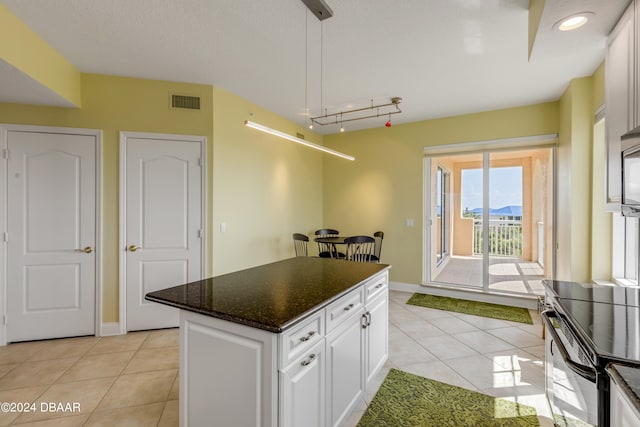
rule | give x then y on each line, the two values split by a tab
496	357
128	380
132	380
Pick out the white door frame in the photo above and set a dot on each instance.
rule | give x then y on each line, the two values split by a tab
122	244
4	134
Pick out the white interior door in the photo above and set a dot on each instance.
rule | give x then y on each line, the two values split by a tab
163	222
51	222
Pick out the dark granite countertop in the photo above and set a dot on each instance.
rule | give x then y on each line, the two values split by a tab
629	380
272	297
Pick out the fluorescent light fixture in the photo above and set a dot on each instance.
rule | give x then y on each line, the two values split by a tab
286	136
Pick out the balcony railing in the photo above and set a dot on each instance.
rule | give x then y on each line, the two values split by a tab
505	237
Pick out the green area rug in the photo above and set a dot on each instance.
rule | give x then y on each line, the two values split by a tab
486	309
409	400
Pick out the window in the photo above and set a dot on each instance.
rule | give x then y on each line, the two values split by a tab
625	250
442	214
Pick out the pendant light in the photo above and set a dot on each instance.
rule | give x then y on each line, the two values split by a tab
320	9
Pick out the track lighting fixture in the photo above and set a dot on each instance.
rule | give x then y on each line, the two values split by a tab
372	111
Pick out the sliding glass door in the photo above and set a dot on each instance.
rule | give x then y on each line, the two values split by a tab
491	220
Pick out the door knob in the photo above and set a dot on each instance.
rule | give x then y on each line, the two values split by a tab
133	248
86	250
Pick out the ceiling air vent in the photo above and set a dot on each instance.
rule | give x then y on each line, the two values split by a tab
185	102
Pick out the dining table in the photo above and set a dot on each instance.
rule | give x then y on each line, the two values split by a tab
332	241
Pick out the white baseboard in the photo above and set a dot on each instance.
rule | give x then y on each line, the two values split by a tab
530	302
109	329
404	287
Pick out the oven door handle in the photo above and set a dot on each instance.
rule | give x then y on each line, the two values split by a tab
586	372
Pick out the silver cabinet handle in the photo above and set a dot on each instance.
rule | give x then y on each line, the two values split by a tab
308	361
379	285
365	320
349	307
308	336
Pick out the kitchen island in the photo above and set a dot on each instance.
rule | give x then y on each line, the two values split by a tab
291	343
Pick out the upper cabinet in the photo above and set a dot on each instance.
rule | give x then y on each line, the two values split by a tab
622	87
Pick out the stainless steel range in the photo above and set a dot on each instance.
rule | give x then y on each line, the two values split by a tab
588	326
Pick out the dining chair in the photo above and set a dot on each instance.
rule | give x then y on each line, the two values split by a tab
300	243
327	250
360	248
378	236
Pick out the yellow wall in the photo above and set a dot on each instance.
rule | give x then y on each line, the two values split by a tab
601	234
25	50
114	104
574	171
384	186
263	187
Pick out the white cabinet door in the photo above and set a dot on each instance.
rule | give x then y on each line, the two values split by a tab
376	335
620	111
302	390
345	353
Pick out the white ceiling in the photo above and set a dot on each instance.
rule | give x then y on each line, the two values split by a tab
443	57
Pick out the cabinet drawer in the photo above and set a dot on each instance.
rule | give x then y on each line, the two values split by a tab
341	309
376	286
301	338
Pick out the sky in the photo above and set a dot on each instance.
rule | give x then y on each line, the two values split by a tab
505	187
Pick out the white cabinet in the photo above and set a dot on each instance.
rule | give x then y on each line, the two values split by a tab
357	347
302	387
376	335
302	373
345	356
311	375
621	87
299	339
227	373
622	412
376	329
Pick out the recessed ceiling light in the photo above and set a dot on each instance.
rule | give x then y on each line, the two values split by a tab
573	21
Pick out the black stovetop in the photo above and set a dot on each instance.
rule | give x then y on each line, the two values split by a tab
592	292
607	318
611	329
